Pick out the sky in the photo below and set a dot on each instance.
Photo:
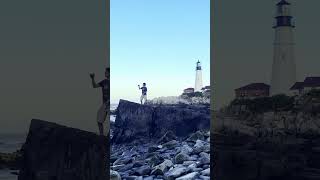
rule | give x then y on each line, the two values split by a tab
243	43
157	42
47	50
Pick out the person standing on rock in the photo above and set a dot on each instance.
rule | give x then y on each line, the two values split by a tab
105	107
144	93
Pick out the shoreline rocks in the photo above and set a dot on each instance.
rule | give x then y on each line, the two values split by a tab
10	160
166	160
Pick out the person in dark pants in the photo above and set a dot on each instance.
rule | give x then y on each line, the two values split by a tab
144	93
104	109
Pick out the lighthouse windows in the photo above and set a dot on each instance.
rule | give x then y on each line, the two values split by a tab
284	11
284	21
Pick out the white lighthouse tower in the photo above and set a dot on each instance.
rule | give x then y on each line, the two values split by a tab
284	67
198	83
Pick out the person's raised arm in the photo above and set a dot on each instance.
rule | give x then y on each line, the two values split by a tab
139	87
93	81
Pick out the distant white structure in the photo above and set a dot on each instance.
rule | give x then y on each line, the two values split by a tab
284	67
198	83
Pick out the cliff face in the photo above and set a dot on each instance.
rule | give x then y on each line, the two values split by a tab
152	121
267	143
244	157
57	152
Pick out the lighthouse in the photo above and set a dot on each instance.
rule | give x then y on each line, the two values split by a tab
283	67
198	83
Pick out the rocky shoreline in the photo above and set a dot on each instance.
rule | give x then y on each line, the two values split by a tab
10	160
168	158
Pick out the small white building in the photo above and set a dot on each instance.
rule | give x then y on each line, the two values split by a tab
206	91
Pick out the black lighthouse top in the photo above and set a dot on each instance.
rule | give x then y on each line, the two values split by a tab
198	66
283	15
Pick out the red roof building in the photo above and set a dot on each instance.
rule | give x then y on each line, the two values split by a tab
308	84
311	82
188	90
253	90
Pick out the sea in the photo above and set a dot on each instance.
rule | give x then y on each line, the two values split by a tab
12	142
112	108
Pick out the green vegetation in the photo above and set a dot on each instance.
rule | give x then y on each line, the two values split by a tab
194	94
259	105
315	93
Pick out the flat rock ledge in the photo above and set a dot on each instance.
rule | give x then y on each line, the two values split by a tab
55	152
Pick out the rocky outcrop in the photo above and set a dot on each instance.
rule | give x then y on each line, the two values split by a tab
10	160
153	121
242	157
56	152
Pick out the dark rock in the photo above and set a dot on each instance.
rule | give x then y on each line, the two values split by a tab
168	136
143	170
159	177
153	149
148	155
206	172
204	177
57	152
126	168
175	172
155	160
190	176
193	166
195	136
181	157
134	120
138	163
133	178
170	145
122	160
14	173
10	160
148	178
162	168
206	166
114	175
181	120
186	149
201	146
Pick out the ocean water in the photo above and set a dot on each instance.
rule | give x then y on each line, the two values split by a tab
113	107
10	143
6	175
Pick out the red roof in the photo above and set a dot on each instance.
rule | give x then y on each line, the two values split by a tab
255	86
189	89
297	85
312	82
206	87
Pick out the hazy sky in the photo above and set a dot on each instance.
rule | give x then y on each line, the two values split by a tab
47	49
243	38
158	42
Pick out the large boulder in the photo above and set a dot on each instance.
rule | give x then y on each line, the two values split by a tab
52	151
134	120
